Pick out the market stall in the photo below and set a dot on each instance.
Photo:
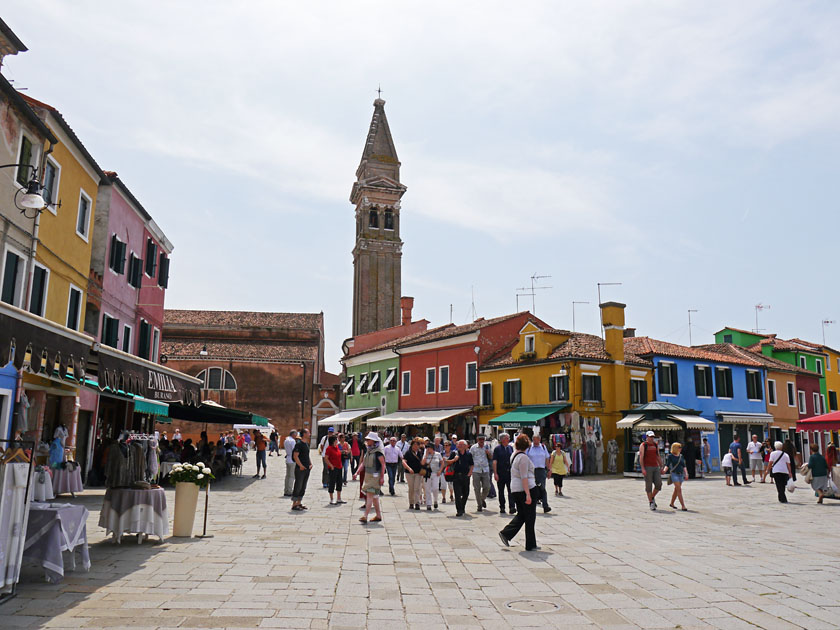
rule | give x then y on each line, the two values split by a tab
447	421
671	423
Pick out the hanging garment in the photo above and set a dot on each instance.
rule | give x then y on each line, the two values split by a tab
62	434
599	455
152	460
56	453
21	418
14	514
116	468
136	462
612	456
589	461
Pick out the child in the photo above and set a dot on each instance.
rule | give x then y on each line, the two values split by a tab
726	464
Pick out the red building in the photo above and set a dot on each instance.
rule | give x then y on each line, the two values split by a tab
808	395
439	373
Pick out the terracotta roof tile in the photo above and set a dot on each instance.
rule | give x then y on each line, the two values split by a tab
768	362
746	332
446	332
243	319
393	343
189	349
577	346
645	346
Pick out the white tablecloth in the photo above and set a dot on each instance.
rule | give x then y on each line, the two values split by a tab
165	469
53	529
130	510
42	490
67	481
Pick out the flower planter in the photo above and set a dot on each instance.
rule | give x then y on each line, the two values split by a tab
186	500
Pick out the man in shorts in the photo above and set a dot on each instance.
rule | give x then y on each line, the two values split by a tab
651	465
756	457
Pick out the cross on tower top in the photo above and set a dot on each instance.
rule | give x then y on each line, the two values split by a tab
379	91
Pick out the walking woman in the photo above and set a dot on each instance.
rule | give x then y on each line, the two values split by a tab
819	472
766	448
448	474
522	484
355	452
675	467
559	468
432	462
374	468
411	464
344	447
780	469
790	449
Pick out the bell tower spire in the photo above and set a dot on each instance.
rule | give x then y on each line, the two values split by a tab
376	194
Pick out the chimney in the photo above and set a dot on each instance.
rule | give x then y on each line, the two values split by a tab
629	332
406	304
612	319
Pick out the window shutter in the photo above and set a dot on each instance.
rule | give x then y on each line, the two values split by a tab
699	381
121	257
675	383
729	383
163	276
661	377
115	246
598	388
143	345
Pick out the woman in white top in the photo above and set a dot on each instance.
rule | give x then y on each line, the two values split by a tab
521	484
433	462
780	470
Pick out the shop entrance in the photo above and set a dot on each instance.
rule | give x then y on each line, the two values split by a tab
82	441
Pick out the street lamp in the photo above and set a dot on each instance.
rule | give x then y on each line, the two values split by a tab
32	199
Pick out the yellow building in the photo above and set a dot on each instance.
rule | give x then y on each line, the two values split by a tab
71	177
567	383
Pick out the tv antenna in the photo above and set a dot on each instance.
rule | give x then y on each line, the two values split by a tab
601	315
758	308
690	311
573	313
535	279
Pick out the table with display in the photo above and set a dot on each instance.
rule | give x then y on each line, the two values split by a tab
67	480
52	529
134	511
165	469
42	488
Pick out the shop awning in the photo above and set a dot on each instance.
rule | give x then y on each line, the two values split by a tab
404	418
825	422
694	422
117	370
41	346
251	427
209	413
736	417
151	407
629	421
260	421
526	416
346	417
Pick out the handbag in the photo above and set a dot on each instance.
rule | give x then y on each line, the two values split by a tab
807	475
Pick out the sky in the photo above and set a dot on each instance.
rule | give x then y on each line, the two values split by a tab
688	151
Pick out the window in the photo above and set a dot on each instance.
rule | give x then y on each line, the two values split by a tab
558	388
406	384
529	343
487	393
151	258
822	403
163	275
83	218
375	384
590	385
803	408
703	381
391	380
156	345
668	380
110	331
40	281
513	392
363	379
832	400
838	364
74	308
27	151
116	259
50	184
727	339
349	385
373	219
144	339
389	219
803	363
771	392
135	271
791	396
472	375
430	380
816	404
13	267
828	364
126	344
444	379
638	391
754	389
819	366
723	382
220	379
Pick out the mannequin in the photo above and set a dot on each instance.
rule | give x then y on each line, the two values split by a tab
61	433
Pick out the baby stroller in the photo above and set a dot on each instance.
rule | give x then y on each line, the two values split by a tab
236	465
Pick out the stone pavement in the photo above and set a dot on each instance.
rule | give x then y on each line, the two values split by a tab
737	560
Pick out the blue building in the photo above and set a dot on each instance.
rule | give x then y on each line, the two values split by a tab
8	389
727	390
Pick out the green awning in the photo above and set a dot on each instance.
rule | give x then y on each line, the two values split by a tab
151	407
259	420
526	416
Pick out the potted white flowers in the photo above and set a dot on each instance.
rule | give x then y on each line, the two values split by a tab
188	479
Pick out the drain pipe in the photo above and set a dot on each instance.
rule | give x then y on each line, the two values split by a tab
37	224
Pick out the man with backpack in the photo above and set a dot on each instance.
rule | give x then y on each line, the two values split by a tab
651	465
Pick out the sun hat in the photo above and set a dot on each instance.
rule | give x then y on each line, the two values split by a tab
650	434
373	436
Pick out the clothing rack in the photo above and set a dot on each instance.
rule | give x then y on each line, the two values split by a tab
19	444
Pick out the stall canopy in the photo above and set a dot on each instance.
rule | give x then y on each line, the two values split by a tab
526	416
663	416
209	413
735	417
825	422
404	418
251	427
120	371
41	346
346	417
260	421
151	407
